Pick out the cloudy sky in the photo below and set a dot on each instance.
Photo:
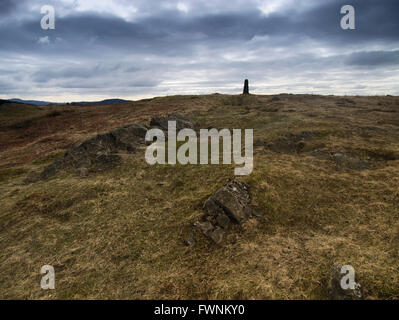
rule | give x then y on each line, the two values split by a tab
143	48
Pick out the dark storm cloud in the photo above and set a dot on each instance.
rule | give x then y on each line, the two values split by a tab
171	31
73	72
375	21
7	6
96	49
4	86
374	58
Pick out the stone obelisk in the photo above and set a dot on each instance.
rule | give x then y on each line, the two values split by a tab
246	87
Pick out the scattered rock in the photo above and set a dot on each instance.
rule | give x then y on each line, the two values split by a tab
292	143
51	169
223	221
181	122
228	205
340	159
211	207
217	235
83	172
336	292
382	155
205	226
350	162
345	101
319	154
276	99
190	241
234	200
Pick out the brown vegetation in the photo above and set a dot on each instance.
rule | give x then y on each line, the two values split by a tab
326	178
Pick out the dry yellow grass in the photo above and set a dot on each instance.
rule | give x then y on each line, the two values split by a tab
118	234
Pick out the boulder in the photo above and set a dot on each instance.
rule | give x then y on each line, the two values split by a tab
233	199
228	205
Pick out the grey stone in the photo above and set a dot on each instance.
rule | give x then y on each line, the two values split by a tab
216	235
350	162
100	151
223	220
83	172
204	226
181	122
189	241
211	208
229	204
234	199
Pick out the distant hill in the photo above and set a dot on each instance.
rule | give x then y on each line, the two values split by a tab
81	103
103	102
4	101
33	102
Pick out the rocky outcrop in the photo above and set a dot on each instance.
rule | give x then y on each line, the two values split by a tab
100	151
181	122
103	151
227	206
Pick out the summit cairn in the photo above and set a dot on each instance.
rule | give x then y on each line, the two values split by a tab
246	87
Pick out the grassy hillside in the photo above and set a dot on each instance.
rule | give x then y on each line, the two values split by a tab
326	177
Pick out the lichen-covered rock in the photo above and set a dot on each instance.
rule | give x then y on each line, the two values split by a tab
223	220
233	199
228	205
204	226
181	122
100	151
217	235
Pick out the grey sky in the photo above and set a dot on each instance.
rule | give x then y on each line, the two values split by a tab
135	49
